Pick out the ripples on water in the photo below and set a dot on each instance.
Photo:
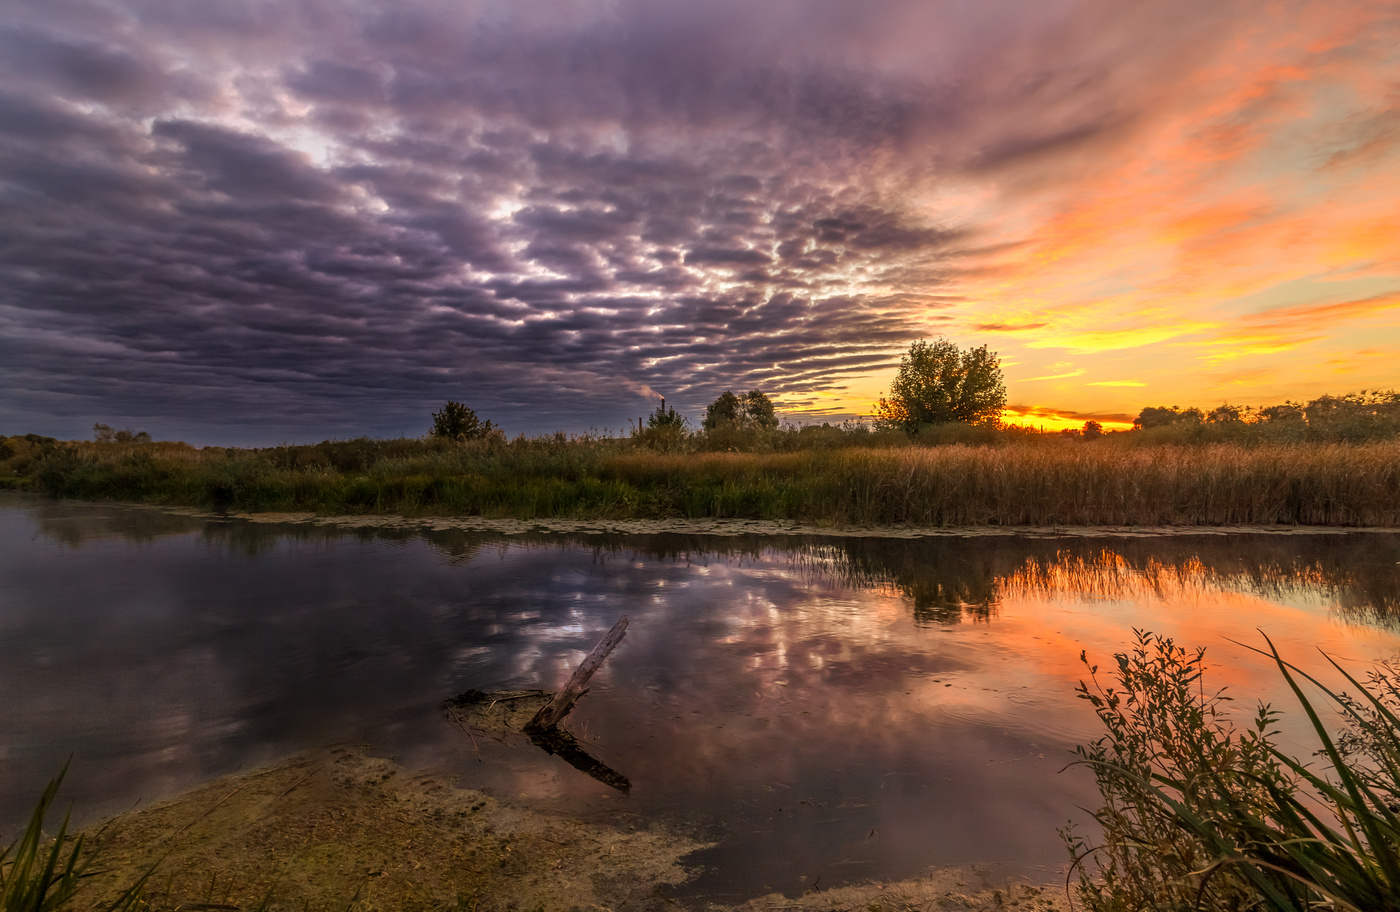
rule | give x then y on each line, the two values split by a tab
833	708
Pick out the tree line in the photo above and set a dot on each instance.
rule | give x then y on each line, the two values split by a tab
940	387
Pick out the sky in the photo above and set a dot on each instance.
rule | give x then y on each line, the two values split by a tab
246	223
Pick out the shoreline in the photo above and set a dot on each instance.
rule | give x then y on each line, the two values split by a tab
338	825
739	527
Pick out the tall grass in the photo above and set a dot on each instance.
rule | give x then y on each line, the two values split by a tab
1032	480
1201	814
41	874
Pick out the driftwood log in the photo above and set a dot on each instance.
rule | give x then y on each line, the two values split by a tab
563	701
502	713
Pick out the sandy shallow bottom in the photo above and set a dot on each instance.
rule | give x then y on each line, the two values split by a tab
681	526
339	829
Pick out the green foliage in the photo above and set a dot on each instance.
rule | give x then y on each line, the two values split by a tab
753	409
41	875
457	422
1161	416
1353	418
665	417
938	383
1201	814
666	430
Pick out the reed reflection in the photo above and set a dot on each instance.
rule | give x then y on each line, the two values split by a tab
966	580
947	580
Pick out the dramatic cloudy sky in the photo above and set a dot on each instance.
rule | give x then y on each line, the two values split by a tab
247	222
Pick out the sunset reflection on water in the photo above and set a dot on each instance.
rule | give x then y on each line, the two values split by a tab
833	708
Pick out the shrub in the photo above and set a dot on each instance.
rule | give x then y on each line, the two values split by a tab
457	422
1201	814
667	430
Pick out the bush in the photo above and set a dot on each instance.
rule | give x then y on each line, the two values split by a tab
1201	814
1354	418
667	430
457	422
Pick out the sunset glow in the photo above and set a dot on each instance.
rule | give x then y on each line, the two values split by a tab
265	222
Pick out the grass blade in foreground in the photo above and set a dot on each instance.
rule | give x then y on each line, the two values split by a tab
1201	814
40	875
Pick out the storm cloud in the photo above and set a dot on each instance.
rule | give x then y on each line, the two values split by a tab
264	221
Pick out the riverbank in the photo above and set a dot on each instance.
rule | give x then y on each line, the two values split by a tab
758	527
1035	482
339	829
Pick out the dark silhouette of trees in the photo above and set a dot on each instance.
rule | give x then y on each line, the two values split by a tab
753	409
103	433
666	419
939	383
457	422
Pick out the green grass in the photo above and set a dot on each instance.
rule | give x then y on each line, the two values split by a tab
40	874
1007	479
1201	814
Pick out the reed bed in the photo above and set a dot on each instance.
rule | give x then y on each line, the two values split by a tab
1032	482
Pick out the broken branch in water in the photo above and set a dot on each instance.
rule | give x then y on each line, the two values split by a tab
559	707
500	713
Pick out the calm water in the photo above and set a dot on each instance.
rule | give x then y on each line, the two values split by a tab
842	709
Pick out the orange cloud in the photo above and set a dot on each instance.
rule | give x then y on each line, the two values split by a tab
1284	328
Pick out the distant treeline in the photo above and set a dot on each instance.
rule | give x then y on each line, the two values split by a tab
1353	418
1332	461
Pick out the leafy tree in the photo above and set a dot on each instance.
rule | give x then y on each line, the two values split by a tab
1161	416
665	418
457	422
753	409
103	433
1287	411
1228	414
666	430
939	383
1092	430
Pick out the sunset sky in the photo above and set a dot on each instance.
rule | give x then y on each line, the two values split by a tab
247	223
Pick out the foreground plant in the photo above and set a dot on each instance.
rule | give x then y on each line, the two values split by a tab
1201	814
39	874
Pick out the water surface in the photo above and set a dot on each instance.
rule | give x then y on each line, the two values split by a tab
840	709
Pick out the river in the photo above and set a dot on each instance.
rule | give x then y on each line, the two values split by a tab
819	707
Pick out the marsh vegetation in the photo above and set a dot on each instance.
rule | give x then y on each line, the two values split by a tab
1010	480
1332	461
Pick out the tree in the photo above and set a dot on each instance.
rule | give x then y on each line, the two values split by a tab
753	409
457	422
1161	416
1092	430
939	383
666	430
